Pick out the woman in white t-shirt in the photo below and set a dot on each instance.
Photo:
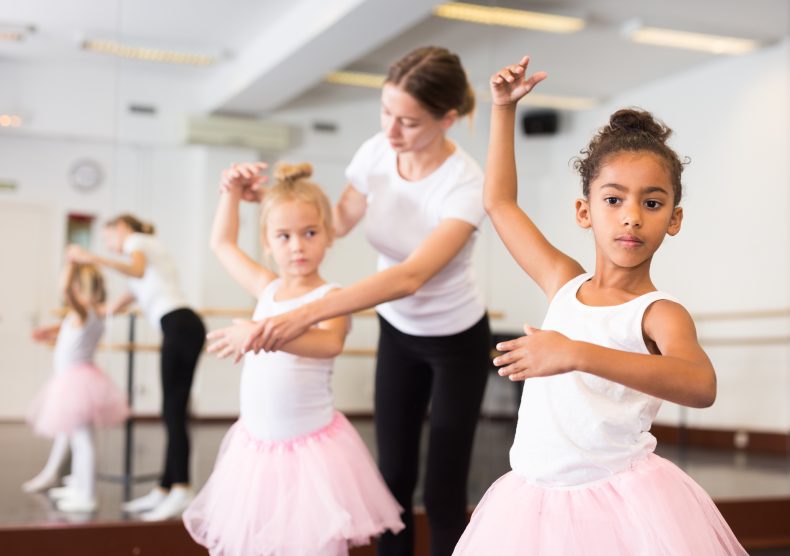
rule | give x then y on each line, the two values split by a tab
153	284
422	195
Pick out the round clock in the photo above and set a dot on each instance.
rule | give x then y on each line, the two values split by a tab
86	174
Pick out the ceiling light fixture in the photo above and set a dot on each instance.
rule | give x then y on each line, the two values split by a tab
356	79
376	80
508	17
148	54
713	44
15	33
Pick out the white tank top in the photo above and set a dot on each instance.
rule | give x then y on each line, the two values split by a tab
76	344
284	395
575	428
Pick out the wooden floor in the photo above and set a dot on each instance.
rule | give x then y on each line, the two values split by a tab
752	491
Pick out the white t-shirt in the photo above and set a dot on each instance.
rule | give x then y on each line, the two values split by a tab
401	214
283	395
157	292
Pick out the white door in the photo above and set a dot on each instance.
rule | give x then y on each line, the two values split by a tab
28	278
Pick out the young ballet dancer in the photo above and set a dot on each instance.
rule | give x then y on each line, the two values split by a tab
585	479
292	477
79	396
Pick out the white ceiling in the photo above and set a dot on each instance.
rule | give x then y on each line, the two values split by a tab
269	66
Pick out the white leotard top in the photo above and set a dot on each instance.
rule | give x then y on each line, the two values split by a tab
76	344
575	428
284	395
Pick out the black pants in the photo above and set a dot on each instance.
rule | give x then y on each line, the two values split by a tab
183	335
450	372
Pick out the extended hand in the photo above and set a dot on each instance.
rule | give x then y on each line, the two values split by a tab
78	254
229	341
247	179
273	333
510	84
539	353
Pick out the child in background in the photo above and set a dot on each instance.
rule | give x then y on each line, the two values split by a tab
292	477
79	396
585	480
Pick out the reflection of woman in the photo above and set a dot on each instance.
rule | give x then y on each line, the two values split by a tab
153	283
423	198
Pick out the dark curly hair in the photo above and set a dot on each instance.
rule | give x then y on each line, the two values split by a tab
630	129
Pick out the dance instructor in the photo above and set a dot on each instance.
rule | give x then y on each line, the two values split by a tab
153	284
422	195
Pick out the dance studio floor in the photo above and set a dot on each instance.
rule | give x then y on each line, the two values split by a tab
725	475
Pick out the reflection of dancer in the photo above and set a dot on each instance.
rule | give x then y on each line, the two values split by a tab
153	283
79	395
292	476
585	479
420	196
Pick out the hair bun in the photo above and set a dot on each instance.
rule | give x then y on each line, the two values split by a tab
635	120
292	172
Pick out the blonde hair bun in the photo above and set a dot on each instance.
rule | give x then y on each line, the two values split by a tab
292	172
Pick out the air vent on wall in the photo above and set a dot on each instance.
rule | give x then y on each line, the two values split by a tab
239	132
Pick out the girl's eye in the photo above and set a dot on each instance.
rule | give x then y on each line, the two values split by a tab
283	237
653	204
311	233
611	200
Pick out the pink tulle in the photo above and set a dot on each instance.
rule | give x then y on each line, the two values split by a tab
82	395
653	509
292	498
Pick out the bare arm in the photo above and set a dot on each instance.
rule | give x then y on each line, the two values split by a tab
548	266
250	275
349	210
680	372
67	289
119	304
398	281
134	267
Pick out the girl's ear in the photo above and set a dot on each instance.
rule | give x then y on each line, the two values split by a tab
583	213
675	221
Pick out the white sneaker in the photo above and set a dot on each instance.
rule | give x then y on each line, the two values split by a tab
58	493
145	503
77	504
172	506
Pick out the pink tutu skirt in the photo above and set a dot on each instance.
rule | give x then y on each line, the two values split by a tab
653	509
298	497
82	395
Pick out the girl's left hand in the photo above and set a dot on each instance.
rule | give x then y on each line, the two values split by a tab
539	353
273	333
229	341
78	254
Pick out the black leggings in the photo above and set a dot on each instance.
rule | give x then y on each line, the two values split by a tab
450	372
183	335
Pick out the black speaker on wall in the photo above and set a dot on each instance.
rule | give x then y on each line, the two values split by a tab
540	122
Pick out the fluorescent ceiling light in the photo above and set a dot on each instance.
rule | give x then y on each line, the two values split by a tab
560	102
148	54
15	33
508	17
356	79
376	80
714	44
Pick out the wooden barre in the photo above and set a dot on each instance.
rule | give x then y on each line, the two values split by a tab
247	313
353	352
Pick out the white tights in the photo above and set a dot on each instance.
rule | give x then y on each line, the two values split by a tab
83	462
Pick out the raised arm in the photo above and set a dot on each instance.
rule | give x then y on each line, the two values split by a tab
548	266
400	280
349	210
133	267
238	182
66	286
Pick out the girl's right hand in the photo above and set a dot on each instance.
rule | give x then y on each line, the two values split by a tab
247	179
510	84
